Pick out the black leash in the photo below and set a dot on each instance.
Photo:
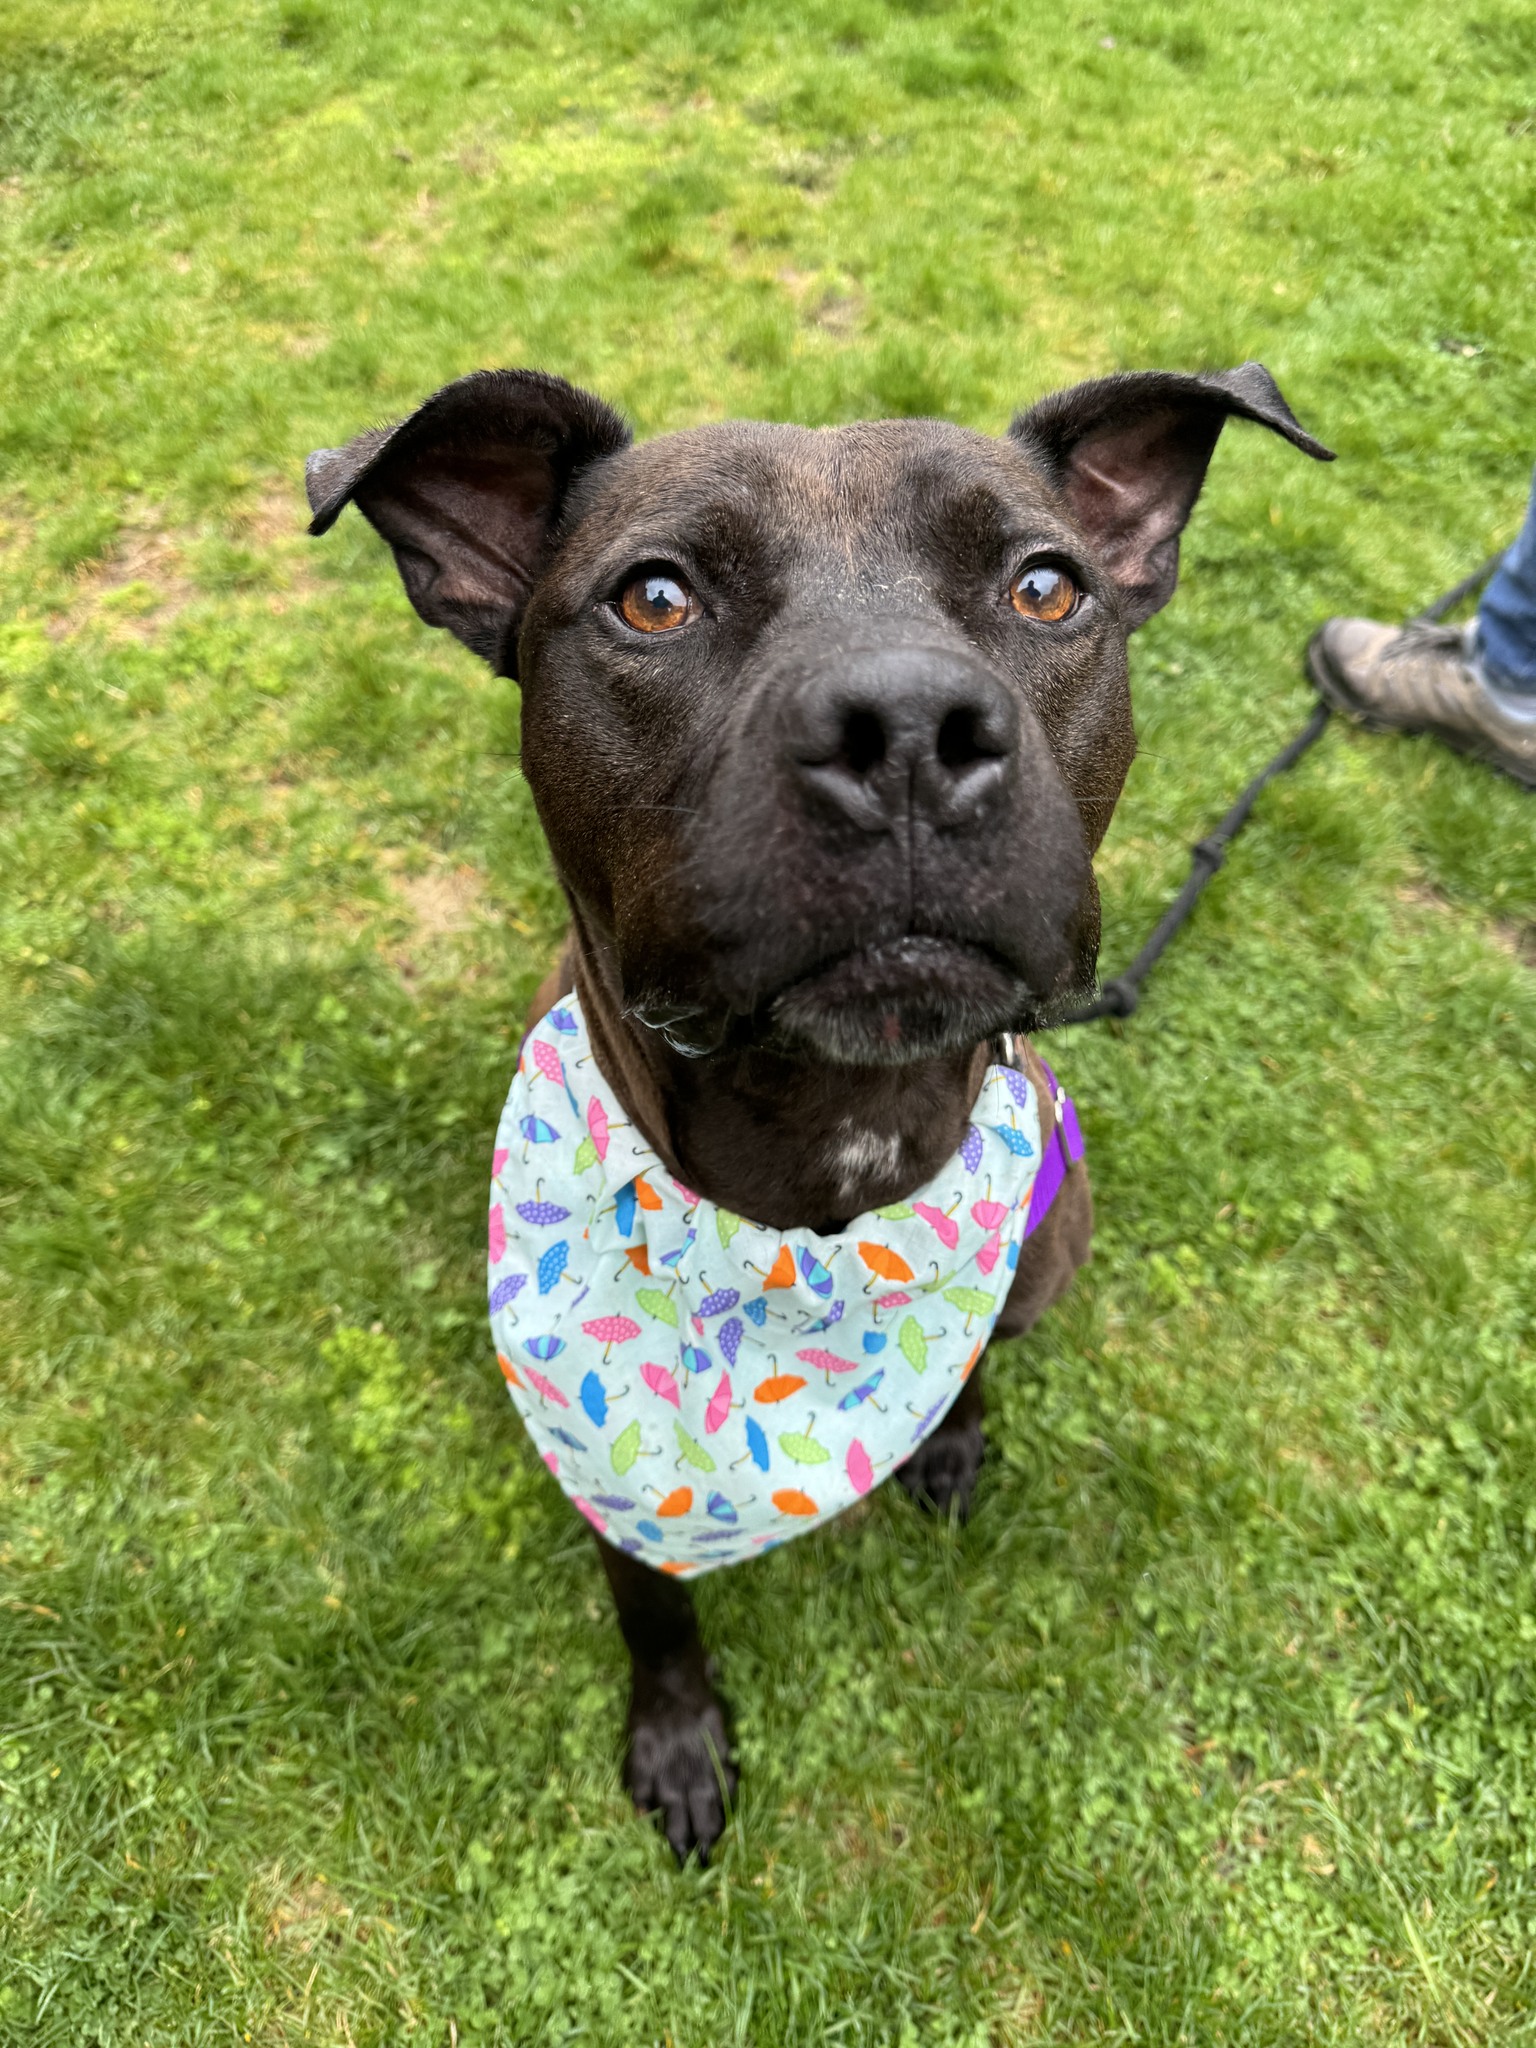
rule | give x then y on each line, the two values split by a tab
1434	613
1118	998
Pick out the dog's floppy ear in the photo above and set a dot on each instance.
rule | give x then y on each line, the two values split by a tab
1129	454
466	491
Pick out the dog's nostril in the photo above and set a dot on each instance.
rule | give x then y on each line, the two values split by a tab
863	744
960	742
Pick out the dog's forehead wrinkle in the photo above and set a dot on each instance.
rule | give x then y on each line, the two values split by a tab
855	492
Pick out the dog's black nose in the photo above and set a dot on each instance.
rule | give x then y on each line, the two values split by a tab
920	732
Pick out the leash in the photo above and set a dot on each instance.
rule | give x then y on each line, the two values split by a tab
1119	997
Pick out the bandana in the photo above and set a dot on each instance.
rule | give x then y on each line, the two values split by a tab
701	1386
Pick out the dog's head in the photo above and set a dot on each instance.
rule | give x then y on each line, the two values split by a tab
823	726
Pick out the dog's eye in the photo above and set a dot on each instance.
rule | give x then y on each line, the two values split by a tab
657	603
1044	592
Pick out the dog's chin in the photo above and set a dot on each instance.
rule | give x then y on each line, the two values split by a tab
911	999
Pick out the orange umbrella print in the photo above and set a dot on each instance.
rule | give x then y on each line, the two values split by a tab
884	1264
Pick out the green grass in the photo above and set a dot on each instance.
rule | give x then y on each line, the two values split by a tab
1218	1723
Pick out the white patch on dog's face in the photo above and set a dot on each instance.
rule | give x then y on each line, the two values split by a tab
858	1152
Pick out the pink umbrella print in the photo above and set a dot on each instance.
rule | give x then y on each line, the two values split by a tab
946	1227
662	1382
719	1405
548	1062
828	1361
611	1330
545	1389
597	1124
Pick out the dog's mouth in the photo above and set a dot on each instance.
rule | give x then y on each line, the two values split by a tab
907	999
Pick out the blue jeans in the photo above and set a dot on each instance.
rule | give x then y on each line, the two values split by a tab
1506	618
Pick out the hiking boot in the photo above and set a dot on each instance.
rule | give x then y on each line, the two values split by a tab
1424	679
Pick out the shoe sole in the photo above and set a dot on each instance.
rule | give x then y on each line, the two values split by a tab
1335	692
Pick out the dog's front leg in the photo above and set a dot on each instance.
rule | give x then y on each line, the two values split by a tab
678	1760
941	1472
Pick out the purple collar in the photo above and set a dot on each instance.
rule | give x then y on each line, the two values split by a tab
1063	1148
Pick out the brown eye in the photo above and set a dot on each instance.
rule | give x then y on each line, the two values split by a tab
657	603
1044	592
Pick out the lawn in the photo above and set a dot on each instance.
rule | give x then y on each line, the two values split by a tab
1217	1724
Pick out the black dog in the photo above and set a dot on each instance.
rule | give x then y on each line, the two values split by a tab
824	729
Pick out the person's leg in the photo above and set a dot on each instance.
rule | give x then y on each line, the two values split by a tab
1473	686
1506	617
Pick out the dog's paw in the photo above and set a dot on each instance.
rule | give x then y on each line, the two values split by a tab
679	1767
941	1473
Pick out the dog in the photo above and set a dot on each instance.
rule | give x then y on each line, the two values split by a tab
824	728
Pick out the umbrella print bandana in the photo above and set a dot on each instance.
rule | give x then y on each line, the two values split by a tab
703	1387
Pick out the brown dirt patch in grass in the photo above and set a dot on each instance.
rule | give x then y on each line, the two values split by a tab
276	513
1516	939
1512	935
444	901
304	1911
135	590
439	908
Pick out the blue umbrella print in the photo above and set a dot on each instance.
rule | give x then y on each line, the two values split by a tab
817	1278
594	1398
552	1265
680	1252
1016	1141
833	1315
